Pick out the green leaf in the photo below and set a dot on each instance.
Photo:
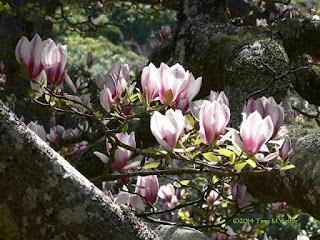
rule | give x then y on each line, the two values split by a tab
232	157
125	128
134	97
250	13
224	152
190	120
240	165
47	97
252	162
288	167
198	141
211	157
227	153
184	182
151	165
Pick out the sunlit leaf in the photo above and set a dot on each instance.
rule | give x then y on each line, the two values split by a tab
288	167
211	157
240	165
251	162
151	165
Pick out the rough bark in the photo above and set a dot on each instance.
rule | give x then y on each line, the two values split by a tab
249	62
44	197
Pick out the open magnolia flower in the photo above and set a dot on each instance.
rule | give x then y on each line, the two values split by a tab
267	107
254	132
241	195
168	128
122	155
148	187
172	81
114	86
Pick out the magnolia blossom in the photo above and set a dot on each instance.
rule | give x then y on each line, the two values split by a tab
219	236
122	155
70	133
76	148
54	59
168	128
165	32
302	237
84	99
166	192
261	22
275	111
286	149
55	135
246	227
279	206
219	97
214	117
155	44
267	107
187	95
214	96
172	81
132	200
212	197
37	129
3	79
148	187
171	196
149	80
254	105
241	195
114	86
265	237
254	132
29	54
271	18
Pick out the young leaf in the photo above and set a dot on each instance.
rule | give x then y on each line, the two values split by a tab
240	165
184	182
251	162
288	167
211	157
151	165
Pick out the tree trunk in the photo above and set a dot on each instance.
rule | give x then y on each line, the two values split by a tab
44	197
250	62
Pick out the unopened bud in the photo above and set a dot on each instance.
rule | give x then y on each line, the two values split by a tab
90	59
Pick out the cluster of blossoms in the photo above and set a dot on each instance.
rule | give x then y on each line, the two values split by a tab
43	60
164	33
168	94
57	134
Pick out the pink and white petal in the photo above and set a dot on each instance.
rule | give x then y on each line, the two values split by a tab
137	203
122	198
132	165
102	157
